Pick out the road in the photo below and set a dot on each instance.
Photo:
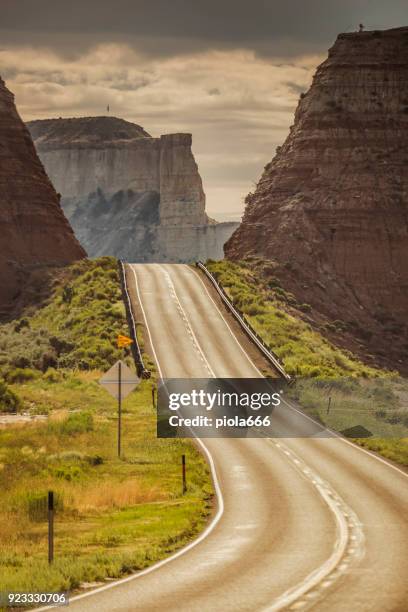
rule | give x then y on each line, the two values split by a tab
301	523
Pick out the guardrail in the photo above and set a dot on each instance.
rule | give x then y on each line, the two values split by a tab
246	326
135	347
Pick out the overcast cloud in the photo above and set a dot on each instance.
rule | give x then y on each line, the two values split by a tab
230	72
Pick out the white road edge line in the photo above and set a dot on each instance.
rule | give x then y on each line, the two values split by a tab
334	433
318	575
312	579
145	320
187	320
210	527
340	437
226	322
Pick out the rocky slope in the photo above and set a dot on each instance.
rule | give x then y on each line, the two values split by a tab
128	194
33	229
331	209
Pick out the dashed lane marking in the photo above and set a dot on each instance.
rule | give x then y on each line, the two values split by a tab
183	315
349	546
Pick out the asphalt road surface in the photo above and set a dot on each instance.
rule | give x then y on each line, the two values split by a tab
301	523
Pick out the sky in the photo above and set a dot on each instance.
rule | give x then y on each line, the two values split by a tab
228	71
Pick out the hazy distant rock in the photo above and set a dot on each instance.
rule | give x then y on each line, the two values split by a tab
128	194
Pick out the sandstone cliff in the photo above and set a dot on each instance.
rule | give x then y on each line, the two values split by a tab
128	194
332	207
33	229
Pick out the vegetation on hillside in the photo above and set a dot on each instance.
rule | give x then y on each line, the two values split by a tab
274	314
112	516
76	329
332	385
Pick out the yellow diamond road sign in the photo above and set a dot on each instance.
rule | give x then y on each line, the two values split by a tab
125	378
124	341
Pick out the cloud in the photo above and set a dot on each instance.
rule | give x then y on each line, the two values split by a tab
229	71
163	28
237	105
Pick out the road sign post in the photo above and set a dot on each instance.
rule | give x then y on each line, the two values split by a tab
183	469
119	381
119	407
50	526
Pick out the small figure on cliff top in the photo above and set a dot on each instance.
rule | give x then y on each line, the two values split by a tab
361	27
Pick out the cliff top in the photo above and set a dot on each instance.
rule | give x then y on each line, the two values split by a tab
367	34
380	47
84	130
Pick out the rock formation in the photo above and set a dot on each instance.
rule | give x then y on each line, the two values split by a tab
126	193
33	229
332	207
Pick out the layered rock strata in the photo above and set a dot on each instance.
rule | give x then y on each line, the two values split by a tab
128	194
331	207
33	229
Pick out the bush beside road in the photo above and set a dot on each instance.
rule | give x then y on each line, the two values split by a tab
112	516
376	399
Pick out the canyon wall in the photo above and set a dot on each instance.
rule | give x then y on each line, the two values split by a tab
331	208
33	229
128	194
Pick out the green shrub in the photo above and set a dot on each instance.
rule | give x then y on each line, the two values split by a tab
67	294
36	505
280	293
78	422
9	401
53	376
20	375
253	309
70	455
381	414
40	409
68	472
274	283
94	459
21	324
384	396
394	417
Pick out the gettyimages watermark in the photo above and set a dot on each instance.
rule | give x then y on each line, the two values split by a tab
216	407
264	407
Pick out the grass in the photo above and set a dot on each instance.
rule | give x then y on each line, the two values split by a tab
272	313
367	404
113	515
76	329
394	449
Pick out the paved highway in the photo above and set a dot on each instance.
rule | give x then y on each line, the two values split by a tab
300	523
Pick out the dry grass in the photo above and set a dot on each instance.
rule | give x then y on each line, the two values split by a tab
109	496
112	516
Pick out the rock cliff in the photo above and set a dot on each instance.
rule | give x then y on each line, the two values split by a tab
128	194
332	207
33	229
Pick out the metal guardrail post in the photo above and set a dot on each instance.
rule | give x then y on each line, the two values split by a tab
135	347
246	326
